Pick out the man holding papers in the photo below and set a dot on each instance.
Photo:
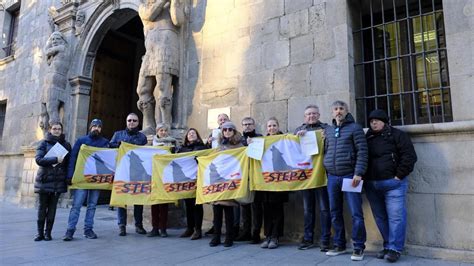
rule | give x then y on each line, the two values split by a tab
392	158
345	157
312	123
93	139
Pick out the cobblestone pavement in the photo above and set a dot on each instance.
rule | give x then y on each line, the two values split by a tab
17	230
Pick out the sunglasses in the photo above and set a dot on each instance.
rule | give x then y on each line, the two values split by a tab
227	129
337	133
132	120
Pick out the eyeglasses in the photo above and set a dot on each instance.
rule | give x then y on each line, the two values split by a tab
132	120
246	125
337	133
227	129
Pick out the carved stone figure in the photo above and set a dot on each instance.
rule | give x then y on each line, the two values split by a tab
80	21
56	51
160	64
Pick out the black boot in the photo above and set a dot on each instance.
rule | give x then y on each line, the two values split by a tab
47	232
40	235
216	240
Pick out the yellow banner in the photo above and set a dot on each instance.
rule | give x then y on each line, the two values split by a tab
95	168
285	168
174	175
222	176
132	183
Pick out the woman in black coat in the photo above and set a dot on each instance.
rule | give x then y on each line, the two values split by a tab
194	213
50	179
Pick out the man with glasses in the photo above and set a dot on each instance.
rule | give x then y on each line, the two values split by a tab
312	123
251	213
130	135
346	157
93	139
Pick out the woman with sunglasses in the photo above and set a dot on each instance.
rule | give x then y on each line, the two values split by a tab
273	215
229	138
50	179
159	212
194	213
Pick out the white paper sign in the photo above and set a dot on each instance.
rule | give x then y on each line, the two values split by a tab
56	151
309	143
347	186
255	148
215	135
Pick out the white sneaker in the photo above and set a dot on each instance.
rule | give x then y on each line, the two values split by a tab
336	251
357	255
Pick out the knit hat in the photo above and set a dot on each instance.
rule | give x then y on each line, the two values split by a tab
228	124
379	114
95	122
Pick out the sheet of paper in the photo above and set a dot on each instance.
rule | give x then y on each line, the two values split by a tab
255	149
56	151
215	135
309	143
347	186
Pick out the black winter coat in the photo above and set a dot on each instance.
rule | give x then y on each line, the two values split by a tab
391	154
346	154
192	147
130	136
51	178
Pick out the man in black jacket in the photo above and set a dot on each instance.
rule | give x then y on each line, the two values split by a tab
310	196
130	135
345	157
392	158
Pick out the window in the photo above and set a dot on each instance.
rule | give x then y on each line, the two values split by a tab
401	64
3	111
11	30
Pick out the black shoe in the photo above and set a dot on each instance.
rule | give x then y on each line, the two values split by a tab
305	244
255	239
324	247
189	232
47	236
228	242
244	237
140	230
357	255
123	230
68	235
154	232
196	235
392	256
111	208
163	233
381	254
210	231
89	234
216	240
39	237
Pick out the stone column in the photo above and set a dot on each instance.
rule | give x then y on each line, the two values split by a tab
80	98
27	197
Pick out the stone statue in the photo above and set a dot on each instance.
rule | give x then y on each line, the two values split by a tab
80	21
55	82
160	64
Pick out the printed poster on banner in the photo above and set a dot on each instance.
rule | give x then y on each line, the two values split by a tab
285	168
95	168
132	183
223	176
175	175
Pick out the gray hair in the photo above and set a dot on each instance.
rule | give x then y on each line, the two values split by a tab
223	114
340	103
162	125
314	106
248	118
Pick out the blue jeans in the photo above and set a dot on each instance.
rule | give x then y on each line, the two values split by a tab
79	197
309	202
137	214
387	201
354	201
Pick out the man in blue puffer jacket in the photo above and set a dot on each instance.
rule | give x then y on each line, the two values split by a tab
93	139
346	156
130	135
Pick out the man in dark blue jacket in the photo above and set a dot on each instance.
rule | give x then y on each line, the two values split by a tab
345	157
93	139
130	135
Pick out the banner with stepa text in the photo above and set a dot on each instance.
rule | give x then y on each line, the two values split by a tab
223	176
285	168
175	175
95	168
132	183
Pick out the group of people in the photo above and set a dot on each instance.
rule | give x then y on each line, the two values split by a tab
383	158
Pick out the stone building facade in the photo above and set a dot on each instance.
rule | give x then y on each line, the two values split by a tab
264	58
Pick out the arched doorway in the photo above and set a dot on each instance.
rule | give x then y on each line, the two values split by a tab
115	74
